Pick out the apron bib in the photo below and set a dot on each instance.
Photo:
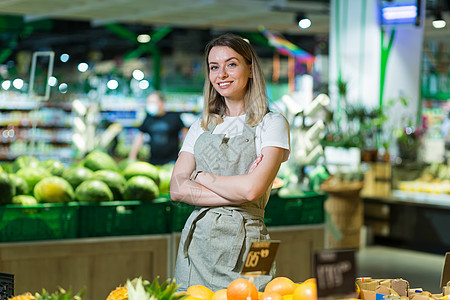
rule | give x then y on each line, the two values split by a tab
215	240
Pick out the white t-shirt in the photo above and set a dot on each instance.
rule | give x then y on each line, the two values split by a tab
273	131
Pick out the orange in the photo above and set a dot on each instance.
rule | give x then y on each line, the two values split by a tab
199	291
220	295
271	296
280	285
240	289
306	290
288	297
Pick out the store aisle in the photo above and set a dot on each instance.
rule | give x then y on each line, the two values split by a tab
419	268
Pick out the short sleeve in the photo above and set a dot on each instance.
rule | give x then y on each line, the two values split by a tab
191	137
145	124
275	133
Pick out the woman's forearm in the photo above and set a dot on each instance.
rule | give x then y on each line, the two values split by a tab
185	190
247	187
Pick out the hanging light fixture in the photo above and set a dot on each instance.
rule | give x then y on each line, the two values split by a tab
439	21
303	21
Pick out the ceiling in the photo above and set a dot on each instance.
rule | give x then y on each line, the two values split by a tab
229	15
80	24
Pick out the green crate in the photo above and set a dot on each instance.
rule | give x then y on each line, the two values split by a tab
298	210
124	218
180	213
46	221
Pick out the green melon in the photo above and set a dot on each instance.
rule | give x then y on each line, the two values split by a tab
164	181
55	167
98	160
142	168
141	188
76	175
23	162
54	189
93	191
7	188
21	185
33	175
124	163
115	181
24	200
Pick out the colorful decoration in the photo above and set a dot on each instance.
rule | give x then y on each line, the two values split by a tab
287	48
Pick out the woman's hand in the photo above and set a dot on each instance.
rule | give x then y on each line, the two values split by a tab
255	163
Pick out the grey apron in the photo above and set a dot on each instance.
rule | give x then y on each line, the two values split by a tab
215	240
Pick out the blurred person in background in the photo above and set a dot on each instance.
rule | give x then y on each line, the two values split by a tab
166	130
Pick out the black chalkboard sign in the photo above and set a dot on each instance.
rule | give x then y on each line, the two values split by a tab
260	258
335	272
6	286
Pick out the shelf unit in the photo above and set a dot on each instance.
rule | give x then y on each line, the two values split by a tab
26	129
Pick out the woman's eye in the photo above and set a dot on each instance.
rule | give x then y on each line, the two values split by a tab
232	65
212	68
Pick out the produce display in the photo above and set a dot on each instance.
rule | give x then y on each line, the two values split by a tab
435	179
61	294
96	178
279	288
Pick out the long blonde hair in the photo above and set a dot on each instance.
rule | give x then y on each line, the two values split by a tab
255	99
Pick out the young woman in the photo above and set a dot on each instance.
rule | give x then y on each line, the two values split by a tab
226	168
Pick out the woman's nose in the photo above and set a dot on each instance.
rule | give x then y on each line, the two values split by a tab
222	73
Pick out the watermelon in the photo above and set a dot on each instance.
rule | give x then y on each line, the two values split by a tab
115	181
23	162
98	160
124	163
24	200
76	175
93	191
33	175
54	189
55	167
164	181
141	188
7	188
20	183
142	168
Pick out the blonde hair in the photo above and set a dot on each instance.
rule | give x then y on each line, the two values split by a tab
255	99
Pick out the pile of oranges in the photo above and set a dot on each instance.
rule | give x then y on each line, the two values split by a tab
279	288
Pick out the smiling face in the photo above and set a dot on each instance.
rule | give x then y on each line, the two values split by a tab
229	73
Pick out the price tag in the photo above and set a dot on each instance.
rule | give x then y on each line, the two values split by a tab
260	258
335	273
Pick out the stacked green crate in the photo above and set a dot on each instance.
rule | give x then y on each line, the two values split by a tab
46	221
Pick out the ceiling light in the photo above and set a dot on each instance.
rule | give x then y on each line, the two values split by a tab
144	84
6	84
18	83
83	67
144	38
303	21
138	74
63	88
64	57
112	84
439	21
52	81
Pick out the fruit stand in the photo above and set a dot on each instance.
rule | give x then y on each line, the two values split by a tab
99	245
